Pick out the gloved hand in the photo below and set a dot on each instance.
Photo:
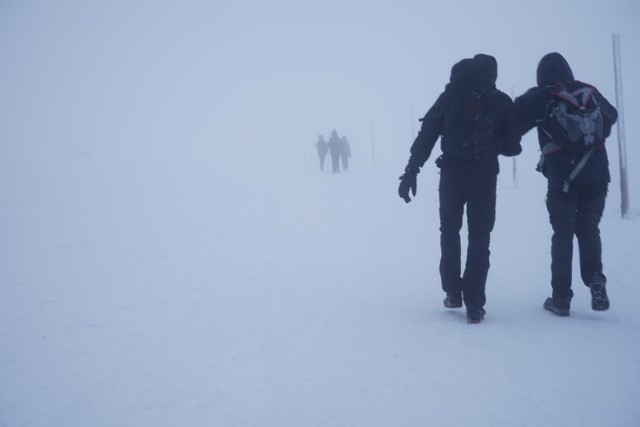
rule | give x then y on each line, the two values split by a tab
408	181
542	166
511	150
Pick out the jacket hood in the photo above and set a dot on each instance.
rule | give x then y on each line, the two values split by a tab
553	68
462	73
487	68
474	74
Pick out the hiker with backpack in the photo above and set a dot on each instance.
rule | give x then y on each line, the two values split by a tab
474	122
573	119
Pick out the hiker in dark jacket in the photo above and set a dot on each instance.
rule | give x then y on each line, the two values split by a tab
575	208
474	123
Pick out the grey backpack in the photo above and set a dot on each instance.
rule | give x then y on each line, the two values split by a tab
573	120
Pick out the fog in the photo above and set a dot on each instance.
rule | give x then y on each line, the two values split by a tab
144	87
172	255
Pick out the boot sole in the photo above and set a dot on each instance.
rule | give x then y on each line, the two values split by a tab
554	310
599	304
453	305
474	320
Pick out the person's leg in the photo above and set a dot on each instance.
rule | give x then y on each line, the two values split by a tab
590	209
562	208
335	162
481	215
453	192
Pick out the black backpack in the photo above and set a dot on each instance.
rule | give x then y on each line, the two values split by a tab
469	120
573	119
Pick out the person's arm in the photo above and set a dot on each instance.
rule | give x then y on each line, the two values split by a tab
509	136
432	127
430	131
609	113
527	110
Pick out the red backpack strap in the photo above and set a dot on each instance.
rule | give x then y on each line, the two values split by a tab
579	98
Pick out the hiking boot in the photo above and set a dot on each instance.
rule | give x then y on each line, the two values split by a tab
599	298
453	300
475	315
556	308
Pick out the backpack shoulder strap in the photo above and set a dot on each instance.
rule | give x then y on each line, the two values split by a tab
579	98
567	97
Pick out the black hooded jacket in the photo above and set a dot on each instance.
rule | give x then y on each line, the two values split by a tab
553	70
468	75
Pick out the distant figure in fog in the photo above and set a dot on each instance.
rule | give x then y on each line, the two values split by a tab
335	147
323	148
345	153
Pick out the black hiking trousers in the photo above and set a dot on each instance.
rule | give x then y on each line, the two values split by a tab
578	213
472	184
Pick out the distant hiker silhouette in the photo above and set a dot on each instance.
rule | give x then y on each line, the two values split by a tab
335	147
322	147
345	153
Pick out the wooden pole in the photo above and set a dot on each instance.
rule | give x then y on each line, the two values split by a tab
622	145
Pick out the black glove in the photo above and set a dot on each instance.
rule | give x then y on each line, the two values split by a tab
511	150
408	181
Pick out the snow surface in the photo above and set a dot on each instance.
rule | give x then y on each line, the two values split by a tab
296	298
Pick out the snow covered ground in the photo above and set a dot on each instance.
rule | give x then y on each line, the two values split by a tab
294	298
171	256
